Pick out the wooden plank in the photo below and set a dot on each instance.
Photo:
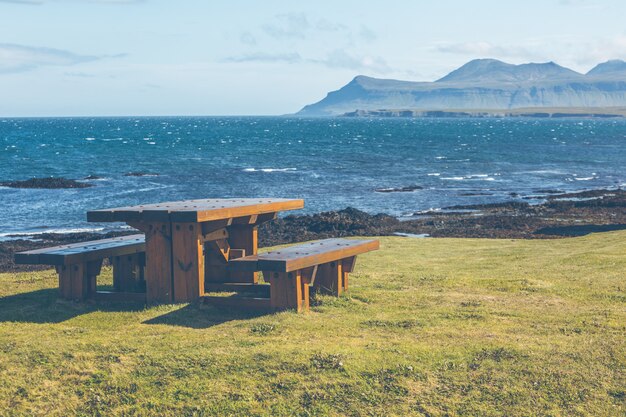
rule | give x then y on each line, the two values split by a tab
265	217
245	263
195	210
309	274
259	289
244	237
83	251
159	263
236	253
188	256
210	227
305	255
255	206
246	219
215	235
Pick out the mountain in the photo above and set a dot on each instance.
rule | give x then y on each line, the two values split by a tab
483	84
615	67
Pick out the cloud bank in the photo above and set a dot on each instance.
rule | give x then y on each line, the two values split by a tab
20	58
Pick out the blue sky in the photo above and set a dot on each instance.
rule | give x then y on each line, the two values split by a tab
191	57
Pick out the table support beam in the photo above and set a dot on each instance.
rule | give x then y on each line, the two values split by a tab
244	237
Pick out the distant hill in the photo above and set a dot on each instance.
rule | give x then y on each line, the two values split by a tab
483	84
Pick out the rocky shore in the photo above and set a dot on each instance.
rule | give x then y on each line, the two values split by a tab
560	215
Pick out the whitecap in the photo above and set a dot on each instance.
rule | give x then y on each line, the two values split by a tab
269	169
434	174
59	231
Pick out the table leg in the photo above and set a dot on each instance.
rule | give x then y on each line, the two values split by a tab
159	263
188	261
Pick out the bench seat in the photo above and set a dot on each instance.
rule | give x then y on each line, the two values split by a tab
291	271
78	264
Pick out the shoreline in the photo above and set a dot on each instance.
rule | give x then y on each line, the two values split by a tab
558	216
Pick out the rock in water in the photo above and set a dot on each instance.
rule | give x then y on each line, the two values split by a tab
49	183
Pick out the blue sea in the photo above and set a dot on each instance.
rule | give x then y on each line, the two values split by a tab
332	163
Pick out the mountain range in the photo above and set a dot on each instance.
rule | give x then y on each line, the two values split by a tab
483	84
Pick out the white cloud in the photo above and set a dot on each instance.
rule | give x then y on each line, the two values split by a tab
248	38
19	58
484	49
339	58
288	26
290	58
591	53
40	2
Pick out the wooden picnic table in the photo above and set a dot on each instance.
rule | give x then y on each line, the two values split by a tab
188	242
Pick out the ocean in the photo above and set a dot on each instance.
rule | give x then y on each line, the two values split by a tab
331	163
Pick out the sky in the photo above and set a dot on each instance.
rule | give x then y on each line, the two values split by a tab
238	57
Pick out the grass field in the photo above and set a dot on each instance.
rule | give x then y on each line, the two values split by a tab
433	327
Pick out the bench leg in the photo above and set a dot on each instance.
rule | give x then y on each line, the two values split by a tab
347	266
330	278
128	272
288	291
78	281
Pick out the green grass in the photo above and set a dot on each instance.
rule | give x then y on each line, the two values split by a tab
433	327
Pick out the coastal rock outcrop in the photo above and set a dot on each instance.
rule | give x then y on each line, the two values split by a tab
49	183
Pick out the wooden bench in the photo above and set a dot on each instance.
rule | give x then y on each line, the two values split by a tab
325	265
78	264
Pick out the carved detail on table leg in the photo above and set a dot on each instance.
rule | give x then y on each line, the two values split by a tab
158	272
188	268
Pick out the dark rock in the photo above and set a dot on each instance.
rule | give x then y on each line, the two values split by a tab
347	222
581	213
474	194
50	183
141	174
399	189
548	191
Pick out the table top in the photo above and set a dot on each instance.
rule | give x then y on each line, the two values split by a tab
195	210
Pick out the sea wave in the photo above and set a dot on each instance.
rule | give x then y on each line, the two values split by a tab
479	177
63	231
269	169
